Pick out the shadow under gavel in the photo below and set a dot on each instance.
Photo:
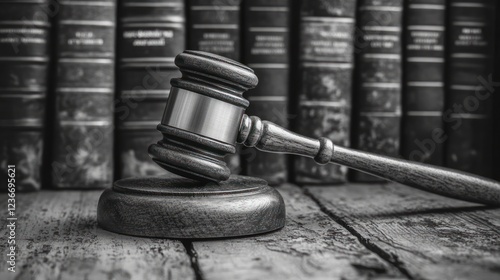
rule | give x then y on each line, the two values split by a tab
204	119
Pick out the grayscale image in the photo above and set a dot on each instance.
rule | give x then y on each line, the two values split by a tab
249	139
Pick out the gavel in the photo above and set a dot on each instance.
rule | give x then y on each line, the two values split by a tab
204	119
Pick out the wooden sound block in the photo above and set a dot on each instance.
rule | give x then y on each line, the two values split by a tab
184	208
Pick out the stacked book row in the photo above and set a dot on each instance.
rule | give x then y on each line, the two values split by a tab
85	82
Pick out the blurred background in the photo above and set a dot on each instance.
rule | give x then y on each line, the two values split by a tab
83	84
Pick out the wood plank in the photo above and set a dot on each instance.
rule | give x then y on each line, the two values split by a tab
311	246
428	236
58	238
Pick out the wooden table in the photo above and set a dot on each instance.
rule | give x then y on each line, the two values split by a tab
336	232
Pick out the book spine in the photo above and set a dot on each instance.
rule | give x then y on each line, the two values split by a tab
468	116
378	96
83	138
214	26
424	81
496	99
326	67
24	63
150	35
266	51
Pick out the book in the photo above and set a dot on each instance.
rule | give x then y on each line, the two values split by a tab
468	114
84	95
214	26
377	117
150	35
266	50
24	67
326	55
496	99
424	81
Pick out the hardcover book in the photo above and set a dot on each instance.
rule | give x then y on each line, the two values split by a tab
496	99
424	81
83	129
151	33
24	68
266	51
378	96
326	67
469	94
214	26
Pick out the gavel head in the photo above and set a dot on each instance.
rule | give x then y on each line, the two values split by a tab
203	115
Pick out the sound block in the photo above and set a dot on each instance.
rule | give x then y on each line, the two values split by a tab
183	208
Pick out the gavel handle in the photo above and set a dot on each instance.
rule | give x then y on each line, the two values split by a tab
269	137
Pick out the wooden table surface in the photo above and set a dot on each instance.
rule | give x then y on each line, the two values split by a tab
336	232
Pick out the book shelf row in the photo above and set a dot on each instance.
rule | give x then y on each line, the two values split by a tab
85	82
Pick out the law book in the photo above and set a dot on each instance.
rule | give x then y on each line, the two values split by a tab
82	147
468	116
214	26
266	50
326	69
150	35
24	68
424	81
496	99
377	117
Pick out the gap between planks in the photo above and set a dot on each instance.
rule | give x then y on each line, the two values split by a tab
311	246
193	258
429	236
391	258
58	238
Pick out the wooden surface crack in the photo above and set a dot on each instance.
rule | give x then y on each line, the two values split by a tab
353	231
193	257
310	246
58	238
424	235
387	256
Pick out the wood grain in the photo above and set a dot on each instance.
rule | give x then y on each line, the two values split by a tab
311	246
58	238
426	236
269	137
185	209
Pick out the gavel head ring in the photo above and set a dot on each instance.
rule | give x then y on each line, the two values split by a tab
203	116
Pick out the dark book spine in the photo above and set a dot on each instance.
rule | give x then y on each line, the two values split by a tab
83	138
24	63
266	50
496	99
150	35
378	96
326	67
424	81
468	116
214	26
